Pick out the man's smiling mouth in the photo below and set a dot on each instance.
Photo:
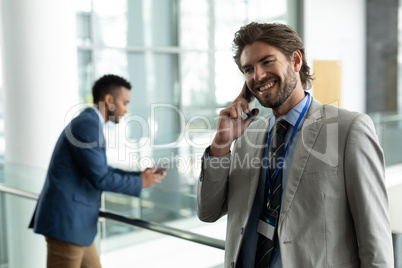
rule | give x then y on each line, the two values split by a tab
267	86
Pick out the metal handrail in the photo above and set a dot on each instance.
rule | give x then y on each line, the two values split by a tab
156	227
15	191
160	228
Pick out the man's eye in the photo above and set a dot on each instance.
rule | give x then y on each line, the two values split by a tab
248	70
268	62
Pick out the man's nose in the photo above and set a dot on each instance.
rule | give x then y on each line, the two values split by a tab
259	73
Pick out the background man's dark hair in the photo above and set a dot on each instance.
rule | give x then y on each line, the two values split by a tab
278	35
107	84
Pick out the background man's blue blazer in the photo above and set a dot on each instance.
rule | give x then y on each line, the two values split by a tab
68	206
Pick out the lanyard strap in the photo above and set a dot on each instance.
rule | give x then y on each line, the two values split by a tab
271	184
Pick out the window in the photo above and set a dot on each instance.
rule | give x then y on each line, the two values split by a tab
177	56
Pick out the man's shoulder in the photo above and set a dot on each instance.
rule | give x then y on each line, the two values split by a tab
346	118
342	113
87	121
87	116
326	111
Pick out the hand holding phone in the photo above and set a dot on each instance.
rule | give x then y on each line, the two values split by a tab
152	175
231	123
159	170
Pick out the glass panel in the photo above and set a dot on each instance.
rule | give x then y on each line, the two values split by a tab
15	216
246	11
229	79
83	5
194	24
2	138
226	23
110	61
141	247
155	95
85	75
136	23
268	10
111	22
122	204
389	131
136	30
160	19
3	231
159	204
83	28
195	82
400	57
154	117
115	251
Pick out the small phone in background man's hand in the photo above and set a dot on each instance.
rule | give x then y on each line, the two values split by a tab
159	170
250	99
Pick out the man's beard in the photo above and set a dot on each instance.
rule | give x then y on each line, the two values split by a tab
285	90
113	117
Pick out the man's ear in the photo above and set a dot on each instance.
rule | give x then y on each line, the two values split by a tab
297	60
109	99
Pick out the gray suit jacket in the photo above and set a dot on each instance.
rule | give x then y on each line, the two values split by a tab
334	210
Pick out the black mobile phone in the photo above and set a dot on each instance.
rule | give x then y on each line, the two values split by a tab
249	98
159	170
248	95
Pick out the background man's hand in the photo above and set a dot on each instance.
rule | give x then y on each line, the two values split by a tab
149	177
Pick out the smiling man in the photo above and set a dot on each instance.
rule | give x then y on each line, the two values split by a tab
302	187
68	207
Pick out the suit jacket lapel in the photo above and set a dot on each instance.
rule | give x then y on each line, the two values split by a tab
309	132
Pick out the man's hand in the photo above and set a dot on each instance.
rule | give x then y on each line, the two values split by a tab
231	125
149	177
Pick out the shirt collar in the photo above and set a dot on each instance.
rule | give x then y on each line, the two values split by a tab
292	116
101	119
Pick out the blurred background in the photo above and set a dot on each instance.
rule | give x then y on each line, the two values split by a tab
177	54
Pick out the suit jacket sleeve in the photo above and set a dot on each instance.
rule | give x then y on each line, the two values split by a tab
213	188
90	156
365	186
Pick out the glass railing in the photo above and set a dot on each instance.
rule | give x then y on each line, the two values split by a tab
389	130
128	229
164	246
138	226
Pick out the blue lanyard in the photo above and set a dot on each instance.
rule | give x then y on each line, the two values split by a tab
271	184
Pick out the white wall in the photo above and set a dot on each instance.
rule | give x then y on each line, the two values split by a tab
39	87
335	30
39	76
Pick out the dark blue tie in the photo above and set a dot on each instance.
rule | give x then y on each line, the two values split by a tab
266	246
